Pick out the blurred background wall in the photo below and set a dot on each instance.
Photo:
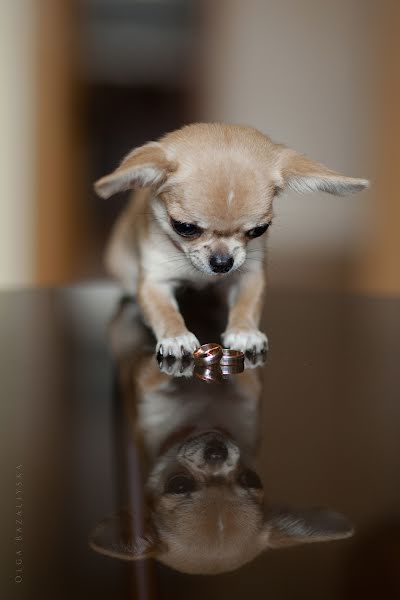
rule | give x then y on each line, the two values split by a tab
17	144
86	80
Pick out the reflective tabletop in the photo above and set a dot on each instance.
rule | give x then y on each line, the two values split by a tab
128	476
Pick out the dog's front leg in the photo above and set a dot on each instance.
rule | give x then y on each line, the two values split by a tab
245	306
161	311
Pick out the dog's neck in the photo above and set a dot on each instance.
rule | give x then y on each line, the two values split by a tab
167	415
182	434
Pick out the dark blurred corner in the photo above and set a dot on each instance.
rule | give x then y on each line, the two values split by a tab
373	564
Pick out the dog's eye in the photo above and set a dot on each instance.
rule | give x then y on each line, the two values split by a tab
186	229
250	479
180	484
257	231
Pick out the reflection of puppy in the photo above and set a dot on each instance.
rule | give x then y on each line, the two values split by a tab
200	219
206	503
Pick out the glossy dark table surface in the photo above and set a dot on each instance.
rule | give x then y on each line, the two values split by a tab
322	416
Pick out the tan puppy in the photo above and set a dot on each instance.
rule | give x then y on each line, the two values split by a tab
205	504
200	218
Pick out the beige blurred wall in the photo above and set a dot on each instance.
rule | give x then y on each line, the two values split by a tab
63	227
43	215
307	73
17	115
377	267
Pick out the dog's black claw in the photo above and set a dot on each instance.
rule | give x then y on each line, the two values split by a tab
186	360
170	359
251	356
161	351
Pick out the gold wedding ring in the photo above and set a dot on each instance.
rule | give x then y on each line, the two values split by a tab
217	362
208	354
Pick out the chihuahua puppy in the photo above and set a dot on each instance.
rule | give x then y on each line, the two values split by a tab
200	217
205	505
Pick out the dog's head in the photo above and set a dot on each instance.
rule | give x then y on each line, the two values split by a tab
214	185
208	512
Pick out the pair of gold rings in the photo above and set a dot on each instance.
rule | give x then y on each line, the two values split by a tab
214	354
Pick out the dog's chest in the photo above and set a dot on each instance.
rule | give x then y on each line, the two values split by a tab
160	414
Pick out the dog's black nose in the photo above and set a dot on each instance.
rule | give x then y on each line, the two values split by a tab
221	263
215	451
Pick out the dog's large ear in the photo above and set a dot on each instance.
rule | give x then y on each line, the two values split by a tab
288	527
302	174
115	537
143	167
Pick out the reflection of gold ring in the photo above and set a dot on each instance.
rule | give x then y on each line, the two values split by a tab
208	354
227	370
211	374
232	357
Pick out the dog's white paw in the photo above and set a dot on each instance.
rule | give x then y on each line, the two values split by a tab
176	347
246	340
